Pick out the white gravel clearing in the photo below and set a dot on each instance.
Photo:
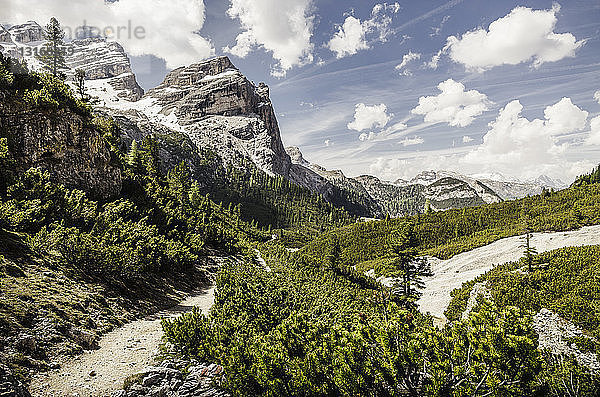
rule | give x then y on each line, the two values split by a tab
450	274
123	352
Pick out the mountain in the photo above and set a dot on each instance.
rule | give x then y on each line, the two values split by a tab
401	198
501	186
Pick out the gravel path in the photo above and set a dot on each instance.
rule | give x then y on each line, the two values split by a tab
450	274
122	353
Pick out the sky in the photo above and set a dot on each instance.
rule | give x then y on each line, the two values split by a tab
389	89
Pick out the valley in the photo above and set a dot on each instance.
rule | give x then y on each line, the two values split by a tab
168	243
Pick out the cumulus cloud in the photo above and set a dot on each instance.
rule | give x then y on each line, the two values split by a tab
524	35
453	105
467	139
514	141
435	60
354	35
597	96
286	34
406	59
367	117
417	140
366	137
594	138
168	34
513	146
350	38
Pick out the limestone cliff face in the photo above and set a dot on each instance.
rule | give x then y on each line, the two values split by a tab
219	108
60	142
105	60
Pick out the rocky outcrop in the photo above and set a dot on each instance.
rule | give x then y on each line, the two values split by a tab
30	32
169	379
448	193
5	35
555	334
10	386
61	143
101	59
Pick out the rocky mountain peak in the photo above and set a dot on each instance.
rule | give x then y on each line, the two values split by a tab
4	35
218	108
27	33
214	88
105	61
187	76
296	156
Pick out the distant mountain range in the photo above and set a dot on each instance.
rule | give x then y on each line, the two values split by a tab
212	106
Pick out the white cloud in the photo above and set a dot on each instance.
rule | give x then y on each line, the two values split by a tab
367	117
286	33
523	35
436	30
594	138
597	96
401	126
453	105
168	33
417	140
514	145
366	137
406	59
467	139
435	60
353	35
349	39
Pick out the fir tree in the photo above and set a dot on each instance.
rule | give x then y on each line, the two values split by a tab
408	268
529	252
80	84
53	53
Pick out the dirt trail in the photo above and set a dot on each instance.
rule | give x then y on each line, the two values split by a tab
123	352
450	274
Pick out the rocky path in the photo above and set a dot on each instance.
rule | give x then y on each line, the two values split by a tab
122	353
450	274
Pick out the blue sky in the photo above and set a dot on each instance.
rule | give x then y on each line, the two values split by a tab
316	102
342	97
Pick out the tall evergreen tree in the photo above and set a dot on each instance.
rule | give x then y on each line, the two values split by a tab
408	268
53	52
80	84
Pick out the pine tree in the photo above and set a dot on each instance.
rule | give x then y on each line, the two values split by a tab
133	157
409	269
53	53
80	84
528	251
